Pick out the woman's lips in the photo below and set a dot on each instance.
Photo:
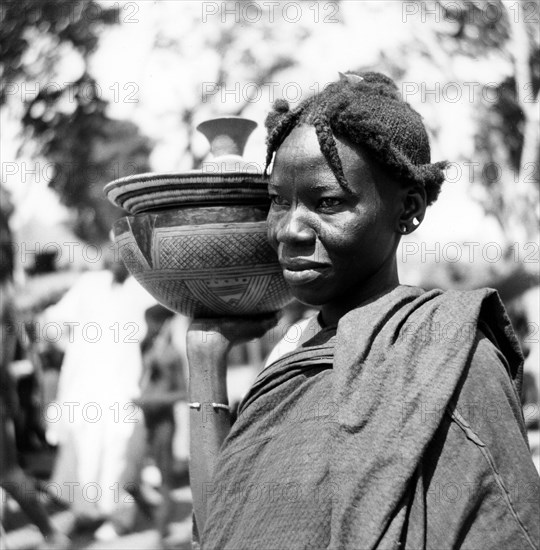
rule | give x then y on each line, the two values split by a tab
302	273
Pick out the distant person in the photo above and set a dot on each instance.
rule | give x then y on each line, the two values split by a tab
163	385
98	381
12	478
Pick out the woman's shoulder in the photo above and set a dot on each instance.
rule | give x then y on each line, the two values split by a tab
491	379
487	358
476	316
412	314
448	297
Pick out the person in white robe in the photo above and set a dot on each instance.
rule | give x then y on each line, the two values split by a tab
101	321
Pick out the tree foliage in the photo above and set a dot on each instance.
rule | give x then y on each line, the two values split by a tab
507	139
67	122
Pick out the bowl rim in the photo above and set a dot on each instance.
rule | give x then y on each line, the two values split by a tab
174	189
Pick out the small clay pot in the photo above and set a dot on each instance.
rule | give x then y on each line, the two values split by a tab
197	240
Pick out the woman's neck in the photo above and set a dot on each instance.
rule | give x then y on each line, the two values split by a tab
379	284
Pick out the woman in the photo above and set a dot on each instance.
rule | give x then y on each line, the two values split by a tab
396	423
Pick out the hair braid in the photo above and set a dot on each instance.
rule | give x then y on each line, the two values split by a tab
328	147
280	123
319	119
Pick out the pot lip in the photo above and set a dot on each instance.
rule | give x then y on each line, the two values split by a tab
139	192
183	178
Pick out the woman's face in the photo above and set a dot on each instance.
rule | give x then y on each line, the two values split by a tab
336	248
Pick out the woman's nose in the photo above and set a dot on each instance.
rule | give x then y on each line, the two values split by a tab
294	227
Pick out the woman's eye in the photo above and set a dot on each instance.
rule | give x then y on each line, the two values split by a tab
278	200
329	202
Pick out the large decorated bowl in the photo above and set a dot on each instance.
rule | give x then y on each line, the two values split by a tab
197	240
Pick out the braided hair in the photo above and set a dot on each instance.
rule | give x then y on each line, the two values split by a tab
366	110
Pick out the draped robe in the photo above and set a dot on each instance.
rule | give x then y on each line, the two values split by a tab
399	428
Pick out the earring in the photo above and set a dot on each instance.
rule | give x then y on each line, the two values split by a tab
403	229
415	222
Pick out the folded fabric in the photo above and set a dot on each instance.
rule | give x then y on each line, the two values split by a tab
332	443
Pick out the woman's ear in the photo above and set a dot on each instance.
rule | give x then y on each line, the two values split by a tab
413	211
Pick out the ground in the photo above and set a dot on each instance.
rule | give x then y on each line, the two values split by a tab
21	535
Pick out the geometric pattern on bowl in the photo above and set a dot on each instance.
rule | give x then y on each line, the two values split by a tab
208	270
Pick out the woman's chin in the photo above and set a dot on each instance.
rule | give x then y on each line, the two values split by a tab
308	298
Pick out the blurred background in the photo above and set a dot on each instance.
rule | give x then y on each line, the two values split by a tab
95	90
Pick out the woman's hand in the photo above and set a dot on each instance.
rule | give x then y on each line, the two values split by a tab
222	334
208	343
